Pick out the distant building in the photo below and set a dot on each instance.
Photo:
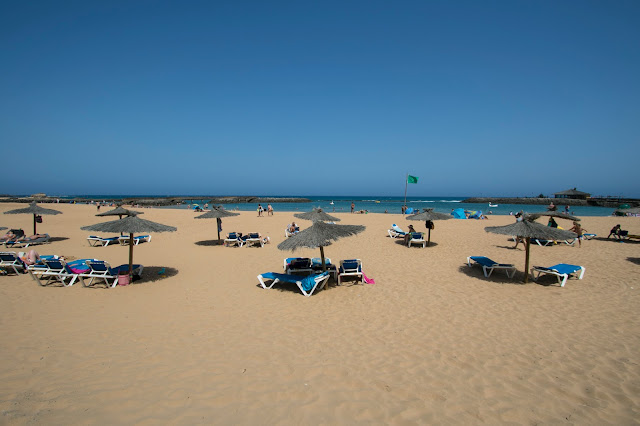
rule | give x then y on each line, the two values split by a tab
573	194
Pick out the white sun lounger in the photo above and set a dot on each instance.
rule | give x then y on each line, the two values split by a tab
562	271
307	285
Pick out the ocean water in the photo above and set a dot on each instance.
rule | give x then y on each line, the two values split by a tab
372	204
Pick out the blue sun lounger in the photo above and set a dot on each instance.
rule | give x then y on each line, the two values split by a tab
562	270
307	285
489	265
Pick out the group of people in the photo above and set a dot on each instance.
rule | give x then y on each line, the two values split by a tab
15	235
261	210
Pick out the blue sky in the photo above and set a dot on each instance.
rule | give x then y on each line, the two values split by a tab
510	98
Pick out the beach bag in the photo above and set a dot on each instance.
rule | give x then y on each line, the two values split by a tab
367	280
39	219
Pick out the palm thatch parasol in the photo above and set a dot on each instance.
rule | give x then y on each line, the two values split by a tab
218	213
624	212
429	215
527	229
317	214
320	234
120	211
131	225
560	215
36	211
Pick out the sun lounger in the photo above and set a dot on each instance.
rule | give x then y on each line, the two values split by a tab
233	239
10	261
297	265
307	285
12	235
316	266
589	236
124	239
543	243
562	271
288	233
417	238
101	271
26	242
95	241
625	235
350	268
396	232
53	270
254	239
489	265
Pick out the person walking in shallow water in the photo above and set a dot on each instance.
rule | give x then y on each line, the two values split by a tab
353	206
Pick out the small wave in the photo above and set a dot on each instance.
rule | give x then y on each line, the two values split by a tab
436	201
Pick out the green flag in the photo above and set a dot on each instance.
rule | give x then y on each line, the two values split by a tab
412	179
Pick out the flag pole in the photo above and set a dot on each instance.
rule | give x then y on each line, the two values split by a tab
406	183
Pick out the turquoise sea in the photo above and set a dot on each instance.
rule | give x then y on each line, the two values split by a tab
372	204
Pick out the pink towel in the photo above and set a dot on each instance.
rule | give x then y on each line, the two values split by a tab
367	280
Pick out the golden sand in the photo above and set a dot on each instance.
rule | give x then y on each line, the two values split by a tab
432	342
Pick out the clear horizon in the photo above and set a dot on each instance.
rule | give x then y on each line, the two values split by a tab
499	99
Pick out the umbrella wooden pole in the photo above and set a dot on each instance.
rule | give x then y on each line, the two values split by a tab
324	266
526	259
130	255
429	237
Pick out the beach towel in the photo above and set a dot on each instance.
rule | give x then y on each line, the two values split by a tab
367	280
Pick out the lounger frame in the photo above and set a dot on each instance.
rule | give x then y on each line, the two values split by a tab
562	277
488	266
320	281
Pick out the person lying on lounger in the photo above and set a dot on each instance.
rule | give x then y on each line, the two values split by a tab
33	237
10	236
30	258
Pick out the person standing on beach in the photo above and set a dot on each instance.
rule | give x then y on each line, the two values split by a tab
260	209
578	230
269	210
353	206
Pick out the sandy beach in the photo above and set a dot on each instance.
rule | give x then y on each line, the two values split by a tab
431	342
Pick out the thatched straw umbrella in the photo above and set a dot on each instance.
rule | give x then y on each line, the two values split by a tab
429	214
624	212
218	213
120	211
320	234
317	214
527	230
560	215
131	225
35	210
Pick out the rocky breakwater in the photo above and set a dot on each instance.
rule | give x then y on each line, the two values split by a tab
171	201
